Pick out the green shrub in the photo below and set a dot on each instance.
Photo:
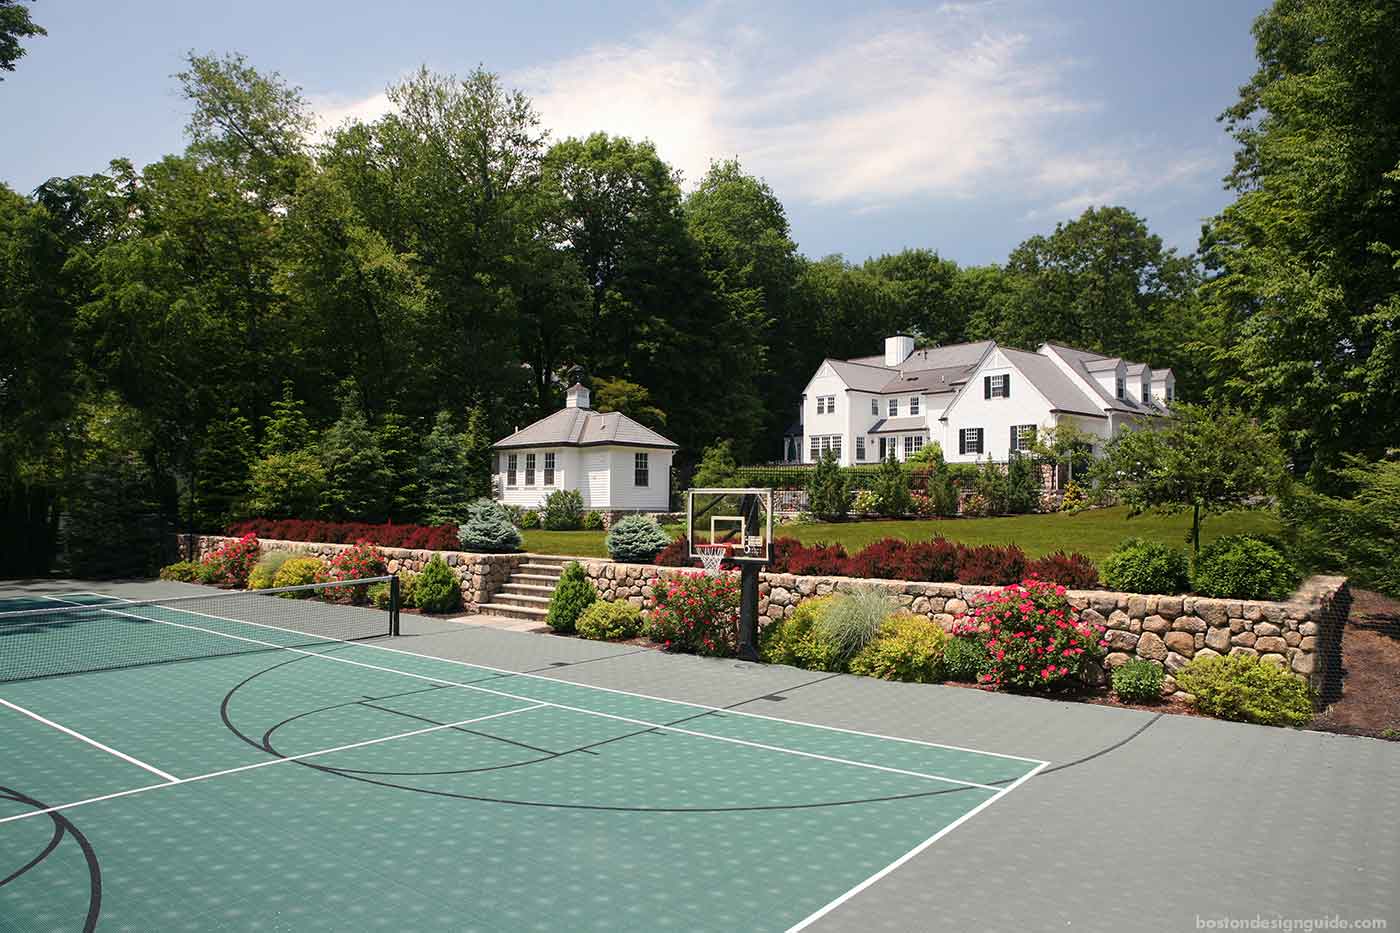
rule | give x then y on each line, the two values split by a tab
865	501
300	571
408	585
696	613
563	510
529	519
436	588
908	648
573	594
1355	531
379	595
636	539
1241	567
965	659
853	619
828	490
891	489
488	528
796	641
184	571
265	570
592	521
1138	681
1139	566
1246	689
610	621
1074	498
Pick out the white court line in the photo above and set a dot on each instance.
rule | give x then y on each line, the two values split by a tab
264	764
170	778
573	683
515	696
892	866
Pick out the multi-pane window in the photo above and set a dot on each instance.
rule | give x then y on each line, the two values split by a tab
860	447
816	448
820	444
641	469
886	447
512	462
874	406
1171	392
894	407
998	386
826	404
970	441
1146	392
1121	387
912	442
914	405
549	469
1022	437
529	469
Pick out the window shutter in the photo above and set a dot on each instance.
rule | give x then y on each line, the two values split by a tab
979	439
1006	386
1013	438
986	386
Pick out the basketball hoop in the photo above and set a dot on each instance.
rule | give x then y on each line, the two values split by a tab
711	556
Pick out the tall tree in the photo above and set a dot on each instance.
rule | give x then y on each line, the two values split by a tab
1304	296
15	24
357	476
443	473
926	294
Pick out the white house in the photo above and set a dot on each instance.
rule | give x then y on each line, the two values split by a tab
617	464
977	400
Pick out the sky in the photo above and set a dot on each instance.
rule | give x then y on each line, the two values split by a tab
962	127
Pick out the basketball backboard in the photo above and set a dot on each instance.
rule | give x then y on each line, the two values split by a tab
739	519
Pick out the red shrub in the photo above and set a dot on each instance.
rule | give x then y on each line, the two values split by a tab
418	537
933	561
886	559
991	564
1070	570
1034	639
675	554
230	565
820	560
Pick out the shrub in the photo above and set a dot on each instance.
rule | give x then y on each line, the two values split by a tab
1071	570
853	619
1241	567
184	571
991	564
573	594
935	560
357	562
1033	638
697	613
797	642
379	596
891	489
610	621
1139	566
1074	498
1247	689
942	492
529	519
636	539
675	554
828	490
883	559
265	570
488	528
417	537
1022	485
976	505
965	659
436	588
563	510
908	648
827	560
592	521
865	501
229	565
299	571
1138	681
408	584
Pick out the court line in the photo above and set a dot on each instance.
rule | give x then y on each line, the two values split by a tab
897	863
528	699
268	763
170	778
574	683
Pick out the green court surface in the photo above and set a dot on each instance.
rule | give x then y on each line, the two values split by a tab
254	777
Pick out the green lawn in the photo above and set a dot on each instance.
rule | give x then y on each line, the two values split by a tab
1094	533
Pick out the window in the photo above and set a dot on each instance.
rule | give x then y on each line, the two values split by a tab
549	469
875	406
836	445
1171	391
1022	437
860	447
914	405
512	461
821	404
996	386
912	442
886	447
970	441
894	407
529	469
1146	392
641	469
1121	387
816	449
826	404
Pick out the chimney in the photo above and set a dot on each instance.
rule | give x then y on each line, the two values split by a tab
898	348
577	396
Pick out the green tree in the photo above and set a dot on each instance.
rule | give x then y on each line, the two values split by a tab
398	439
15	24
1207	460
891	488
828	491
1067	444
717	468
925	294
476	449
445	477
286	430
357	477
221	471
1303	302
1353	531
286	485
632	400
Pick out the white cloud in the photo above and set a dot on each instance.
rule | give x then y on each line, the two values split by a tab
332	111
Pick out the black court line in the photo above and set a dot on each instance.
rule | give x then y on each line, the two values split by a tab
64	826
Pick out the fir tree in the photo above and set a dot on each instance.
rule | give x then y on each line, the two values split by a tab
443	473
398	442
357	477
287	429
476	446
221	468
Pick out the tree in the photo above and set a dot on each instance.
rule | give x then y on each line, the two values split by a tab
1303	302
632	400
476	449
444	474
1065	443
828	491
891	488
717	468
925	294
1207	460
357	477
15	24
221	471
398	439
286	430
1353	532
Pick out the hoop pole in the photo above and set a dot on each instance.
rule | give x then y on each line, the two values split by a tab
748	611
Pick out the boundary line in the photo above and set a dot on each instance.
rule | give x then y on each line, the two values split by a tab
560	680
268	763
897	863
169	778
527	699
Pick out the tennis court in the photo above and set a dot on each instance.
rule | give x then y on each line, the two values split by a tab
243	761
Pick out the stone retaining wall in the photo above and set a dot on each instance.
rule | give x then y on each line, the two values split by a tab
1302	634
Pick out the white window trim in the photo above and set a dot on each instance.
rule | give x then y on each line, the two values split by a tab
529	469
893	408
913	405
641	469
875	406
549	468
512	469
860	448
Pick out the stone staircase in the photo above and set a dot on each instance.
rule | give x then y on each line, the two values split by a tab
526	594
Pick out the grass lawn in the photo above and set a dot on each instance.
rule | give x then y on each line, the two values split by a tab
1094	533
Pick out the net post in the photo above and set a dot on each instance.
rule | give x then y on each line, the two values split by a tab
394	604
748	610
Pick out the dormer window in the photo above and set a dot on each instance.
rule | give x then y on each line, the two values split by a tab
1121	388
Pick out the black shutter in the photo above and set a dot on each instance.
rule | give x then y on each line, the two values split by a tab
1012	447
1006	386
962	442
986	386
979	439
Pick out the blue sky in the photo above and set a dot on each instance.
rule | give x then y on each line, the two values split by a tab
961	127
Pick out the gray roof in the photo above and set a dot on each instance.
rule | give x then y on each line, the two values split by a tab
928	381
954	354
584	427
1135	369
897	425
1059	390
931	370
1101	364
1080	360
862	377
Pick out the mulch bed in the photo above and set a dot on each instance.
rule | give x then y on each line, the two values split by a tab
1370	703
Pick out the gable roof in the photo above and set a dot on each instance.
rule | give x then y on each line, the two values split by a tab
584	427
1080	360
930	370
1059	390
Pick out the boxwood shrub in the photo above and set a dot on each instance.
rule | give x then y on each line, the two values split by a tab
612	621
1242	567
573	594
1246	689
1140	566
1138	681
436	588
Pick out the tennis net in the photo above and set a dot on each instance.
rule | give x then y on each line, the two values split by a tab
91	632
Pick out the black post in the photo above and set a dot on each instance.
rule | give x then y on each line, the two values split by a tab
748	610
394	604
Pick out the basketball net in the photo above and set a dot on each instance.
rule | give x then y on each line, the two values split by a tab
711	556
